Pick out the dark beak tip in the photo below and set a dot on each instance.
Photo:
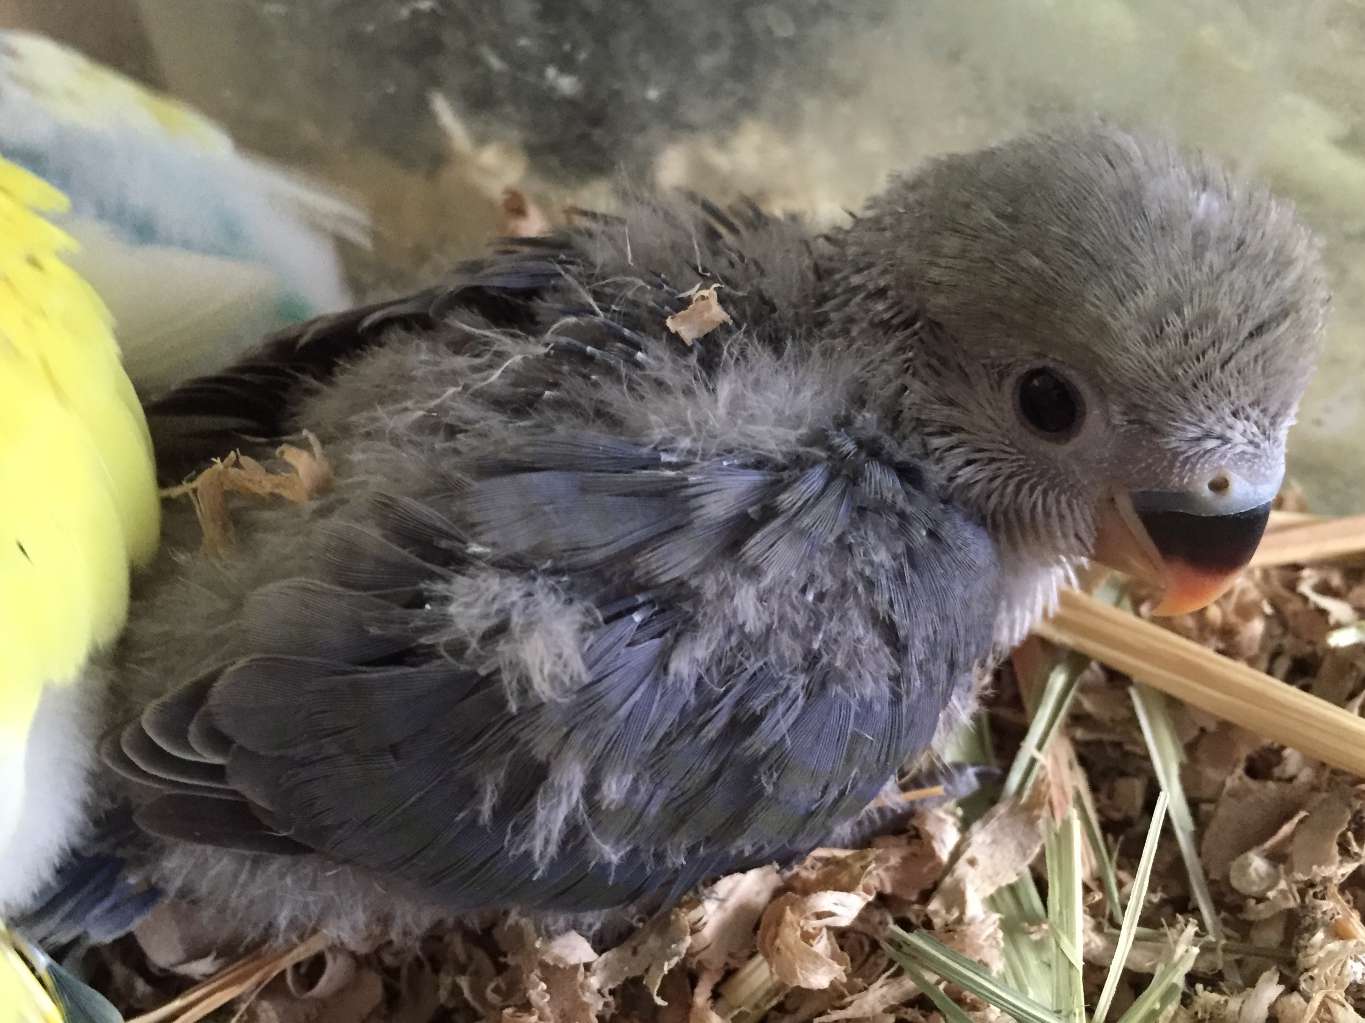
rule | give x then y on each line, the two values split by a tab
1213	544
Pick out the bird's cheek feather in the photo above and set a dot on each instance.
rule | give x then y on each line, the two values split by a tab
1192	558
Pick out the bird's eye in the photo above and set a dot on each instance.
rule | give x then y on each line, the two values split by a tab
1049	404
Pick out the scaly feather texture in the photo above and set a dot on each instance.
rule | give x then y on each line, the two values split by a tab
80	506
197	248
562	637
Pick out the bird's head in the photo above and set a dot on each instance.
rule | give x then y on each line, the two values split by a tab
1105	344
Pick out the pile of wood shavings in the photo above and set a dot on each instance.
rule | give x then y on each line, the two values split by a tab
1282	841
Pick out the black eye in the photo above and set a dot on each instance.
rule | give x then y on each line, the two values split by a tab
1050	404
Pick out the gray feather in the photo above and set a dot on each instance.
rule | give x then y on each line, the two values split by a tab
592	614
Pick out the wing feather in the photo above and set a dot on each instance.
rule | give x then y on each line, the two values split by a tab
376	710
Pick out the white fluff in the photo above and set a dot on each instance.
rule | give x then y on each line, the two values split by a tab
53	765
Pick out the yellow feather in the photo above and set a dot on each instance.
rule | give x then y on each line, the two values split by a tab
78	498
76	471
23	999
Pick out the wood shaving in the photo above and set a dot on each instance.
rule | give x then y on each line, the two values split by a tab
728	917
522	218
702	315
305	476
1314	853
886	992
1216	756
1250	1006
795	937
996	851
649	954
1248	813
490	167
176	939
353	998
1319	587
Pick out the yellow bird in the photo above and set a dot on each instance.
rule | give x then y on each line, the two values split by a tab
78	507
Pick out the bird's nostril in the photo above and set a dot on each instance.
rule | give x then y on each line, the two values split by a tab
1220	484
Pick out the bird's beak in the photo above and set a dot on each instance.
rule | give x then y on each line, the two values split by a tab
1189	544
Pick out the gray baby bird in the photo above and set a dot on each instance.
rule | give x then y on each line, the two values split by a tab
593	614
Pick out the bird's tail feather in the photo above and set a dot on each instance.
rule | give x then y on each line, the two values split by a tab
92	897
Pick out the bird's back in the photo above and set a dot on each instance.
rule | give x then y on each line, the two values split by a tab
592	613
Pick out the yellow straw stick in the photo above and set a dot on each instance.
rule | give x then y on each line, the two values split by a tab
1234	692
1312	541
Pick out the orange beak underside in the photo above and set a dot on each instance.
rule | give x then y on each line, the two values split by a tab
1189	588
1192	558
